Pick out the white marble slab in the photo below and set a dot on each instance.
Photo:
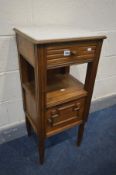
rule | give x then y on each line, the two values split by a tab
46	33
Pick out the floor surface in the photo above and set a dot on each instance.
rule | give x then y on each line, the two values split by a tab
95	156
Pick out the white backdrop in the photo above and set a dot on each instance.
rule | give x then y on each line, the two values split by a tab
94	15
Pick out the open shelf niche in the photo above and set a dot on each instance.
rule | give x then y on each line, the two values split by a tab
61	86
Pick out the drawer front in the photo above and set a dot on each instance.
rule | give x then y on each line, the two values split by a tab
65	54
63	115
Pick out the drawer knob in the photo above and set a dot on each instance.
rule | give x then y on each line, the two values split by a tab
77	107
51	120
73	52
54	116
69	53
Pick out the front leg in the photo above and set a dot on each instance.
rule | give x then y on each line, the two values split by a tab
41	148
80	134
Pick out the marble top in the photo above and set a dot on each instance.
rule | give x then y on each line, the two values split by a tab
46	34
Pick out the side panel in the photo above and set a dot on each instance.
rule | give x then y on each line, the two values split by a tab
26	49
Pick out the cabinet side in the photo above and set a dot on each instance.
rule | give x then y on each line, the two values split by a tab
26	49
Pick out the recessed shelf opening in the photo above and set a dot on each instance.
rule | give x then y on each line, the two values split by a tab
62	87
28	78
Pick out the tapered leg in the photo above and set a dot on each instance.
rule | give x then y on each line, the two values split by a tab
28	126
41	150
80	134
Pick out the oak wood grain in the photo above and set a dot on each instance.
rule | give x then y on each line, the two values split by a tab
26	49
63	115
53	100
80	52
63	88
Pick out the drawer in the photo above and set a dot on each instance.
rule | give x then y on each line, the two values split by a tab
64	115
66	54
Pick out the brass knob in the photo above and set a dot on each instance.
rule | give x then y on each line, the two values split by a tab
54	115
49	120
77	107
73	52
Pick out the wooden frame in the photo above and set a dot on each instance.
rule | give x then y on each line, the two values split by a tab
58	114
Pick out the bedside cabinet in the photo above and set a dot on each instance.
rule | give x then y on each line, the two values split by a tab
53	99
